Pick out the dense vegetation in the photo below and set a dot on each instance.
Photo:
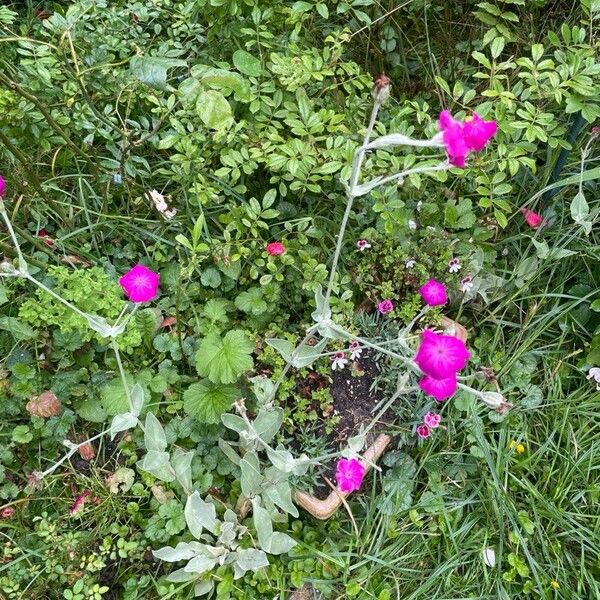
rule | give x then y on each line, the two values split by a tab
215	142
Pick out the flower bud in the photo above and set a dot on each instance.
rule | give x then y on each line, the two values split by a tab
496	401
381	87
45	405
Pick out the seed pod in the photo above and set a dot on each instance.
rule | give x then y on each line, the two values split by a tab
45	405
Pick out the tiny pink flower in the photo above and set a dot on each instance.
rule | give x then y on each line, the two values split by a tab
385	307
466	284
478	132
454	265
338	360
275	248
7	512
533	219
432	420
440	389
423	431
140	284
362	245
2	187
349	474
441	356
355	350
434	293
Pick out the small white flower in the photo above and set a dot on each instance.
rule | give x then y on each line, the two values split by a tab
338	360
355	350
466	284
419	205
489	557
161	205
362	245
594	373
409	264
412	224
454	265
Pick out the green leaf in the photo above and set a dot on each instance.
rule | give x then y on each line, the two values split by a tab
251	559
154	434
214	110
3	297
215	310
207	401
114	397
281	543
152	70
211	277
263	525
91	409
19	330
579	208
200	515
246	63
21	434
251	302
223	360
251	479
122	422
182	465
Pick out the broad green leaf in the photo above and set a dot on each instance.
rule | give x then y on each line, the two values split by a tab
223	80
214	110
152	70
182	465
263	525
207	401
154	460
223	360
267	423
200	515
200	564
281	543
114	397
122	422
246	63
251	559
154	434
18	329
183	551
251	479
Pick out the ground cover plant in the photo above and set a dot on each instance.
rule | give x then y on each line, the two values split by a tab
245	244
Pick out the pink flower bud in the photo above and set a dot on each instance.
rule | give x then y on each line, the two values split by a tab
275	248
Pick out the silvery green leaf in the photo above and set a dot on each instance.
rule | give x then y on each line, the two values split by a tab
282	459
204	587
579	208
489	557
234	422
99	325
280	494
227	535
262	524
251	479
323	310
229	452
154	434
122	422
137	399
229	516
397	139
281	543
155	460
542	249
251	559
200	514
182	551
356	443
264	389
305	355
284	347
267	423
182	465
180	576
200	564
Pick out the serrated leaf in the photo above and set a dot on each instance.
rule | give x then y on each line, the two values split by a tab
18	329
207	401
223	360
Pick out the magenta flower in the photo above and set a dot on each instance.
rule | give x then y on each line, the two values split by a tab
440	389
434	293
385	307
462	138
533	219
140	284
275	248
441	356
423	431
349	474
432	420
2	187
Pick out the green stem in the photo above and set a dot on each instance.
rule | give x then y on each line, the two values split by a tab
115	347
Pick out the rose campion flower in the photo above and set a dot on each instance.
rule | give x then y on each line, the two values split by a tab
434	293
355	350
462	138
385	307
432	420
533	219
441	356
338	360
362	245
275	248
2	187
140	284
349	474
423	431
440	389
454	265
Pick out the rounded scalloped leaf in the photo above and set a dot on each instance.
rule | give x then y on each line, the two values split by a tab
207	401
113	397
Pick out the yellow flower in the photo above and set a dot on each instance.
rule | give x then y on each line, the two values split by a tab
554	584
519	448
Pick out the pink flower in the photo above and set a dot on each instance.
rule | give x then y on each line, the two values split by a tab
432	420
338	360
7	512
478	132
2	186
454	265
349	474
434	293
362	245
385	307
275	248
423	431
462	138
466	284
79	502
355	349
440	389
441	356
140	284
534	220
